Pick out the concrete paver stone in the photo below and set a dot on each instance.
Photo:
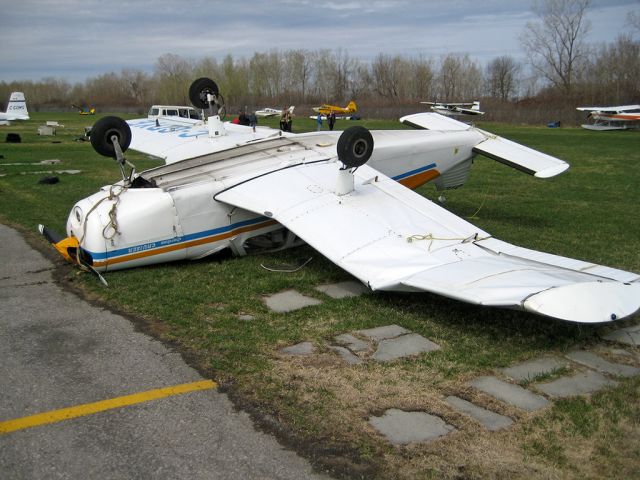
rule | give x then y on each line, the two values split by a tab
509	393
346	289
403	346
402	428
490	420
532	368
352	343
382	333
289	300
579	384
346	355
304	348
592	360
628	335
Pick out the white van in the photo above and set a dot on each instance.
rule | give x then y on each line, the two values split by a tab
158	111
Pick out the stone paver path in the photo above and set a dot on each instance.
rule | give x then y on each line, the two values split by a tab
533	368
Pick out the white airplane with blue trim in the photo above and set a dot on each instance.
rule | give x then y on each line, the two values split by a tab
16	109
346	194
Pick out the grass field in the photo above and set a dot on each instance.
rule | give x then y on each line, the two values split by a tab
320	406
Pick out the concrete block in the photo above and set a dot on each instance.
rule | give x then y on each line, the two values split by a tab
579	384
352	343
403	428
532	368
299	349
346	355
627	336
403	346
592	360
509	393
346	289
381	333
490	420
289	300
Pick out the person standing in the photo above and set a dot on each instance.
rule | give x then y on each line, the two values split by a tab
332	120
319	121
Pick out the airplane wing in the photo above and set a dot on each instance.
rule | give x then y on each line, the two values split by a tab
173	140
391	238
498	148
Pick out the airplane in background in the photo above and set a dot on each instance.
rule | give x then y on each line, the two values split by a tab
612	118
16	109
272	112
346	194
454	109
84	110
327	109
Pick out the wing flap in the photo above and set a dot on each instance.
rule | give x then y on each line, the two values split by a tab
391	238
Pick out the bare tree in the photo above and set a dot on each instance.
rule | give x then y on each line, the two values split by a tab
502	77
460	78
555	45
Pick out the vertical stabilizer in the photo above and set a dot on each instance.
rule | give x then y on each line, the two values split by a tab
17	107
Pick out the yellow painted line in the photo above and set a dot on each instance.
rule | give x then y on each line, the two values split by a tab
95	407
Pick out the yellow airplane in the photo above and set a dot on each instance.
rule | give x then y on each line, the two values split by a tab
328	109
85	110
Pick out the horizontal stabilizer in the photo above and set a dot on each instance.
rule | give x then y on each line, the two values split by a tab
433	121
520	157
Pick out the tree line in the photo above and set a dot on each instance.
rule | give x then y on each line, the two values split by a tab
562	72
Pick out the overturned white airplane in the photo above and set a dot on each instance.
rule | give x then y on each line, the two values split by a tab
16	109
455	109
348	195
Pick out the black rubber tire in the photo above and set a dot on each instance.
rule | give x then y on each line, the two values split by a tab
104	129
355	146
199	89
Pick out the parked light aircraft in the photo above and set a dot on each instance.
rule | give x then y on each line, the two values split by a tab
327	109
84	110
612	118
348	195
16	109
272	112
454	109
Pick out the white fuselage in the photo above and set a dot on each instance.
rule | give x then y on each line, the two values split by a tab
178	218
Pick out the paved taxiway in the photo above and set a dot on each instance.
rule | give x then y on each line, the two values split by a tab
57	351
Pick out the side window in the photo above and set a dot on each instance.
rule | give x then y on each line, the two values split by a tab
183	113
172	113
154	111
194	114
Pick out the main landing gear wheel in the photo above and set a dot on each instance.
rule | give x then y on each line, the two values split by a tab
104	129
355	146
199	90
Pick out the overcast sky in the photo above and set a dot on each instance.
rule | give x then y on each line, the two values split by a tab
76	39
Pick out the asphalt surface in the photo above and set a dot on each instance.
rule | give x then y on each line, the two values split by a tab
58	351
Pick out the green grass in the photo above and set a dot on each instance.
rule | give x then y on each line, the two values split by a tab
320	405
